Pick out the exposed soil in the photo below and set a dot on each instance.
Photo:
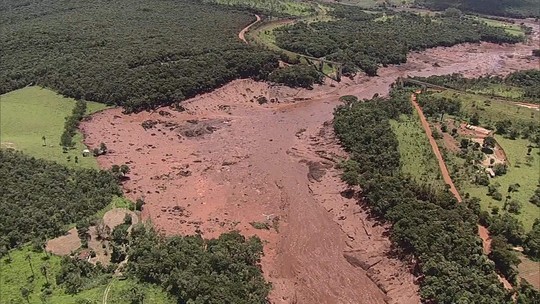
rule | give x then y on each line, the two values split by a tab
530	271
70	243
242	34
65	244
275	160
115	217
435	148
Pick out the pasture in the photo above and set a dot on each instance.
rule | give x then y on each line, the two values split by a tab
521	170
416	156
491	110
510	28
501	90
26	270
29	114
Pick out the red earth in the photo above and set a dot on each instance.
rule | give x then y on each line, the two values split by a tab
228	161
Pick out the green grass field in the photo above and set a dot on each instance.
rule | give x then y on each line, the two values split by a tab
417	158
510	28
527	175
491	109
501	90
274	7
18	274
28	114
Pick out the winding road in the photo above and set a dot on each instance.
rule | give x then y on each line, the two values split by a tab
242	34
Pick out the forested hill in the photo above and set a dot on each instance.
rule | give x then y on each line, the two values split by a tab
136	53
507	8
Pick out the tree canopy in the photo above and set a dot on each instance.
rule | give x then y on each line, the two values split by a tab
361	41
134	53
39	198
507	8
195	270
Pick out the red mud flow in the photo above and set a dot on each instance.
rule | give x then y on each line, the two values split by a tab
231	159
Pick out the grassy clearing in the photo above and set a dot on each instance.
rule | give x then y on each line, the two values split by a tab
491	109
18	274
417	158
122	289
510	28
518	172
501	90
28	114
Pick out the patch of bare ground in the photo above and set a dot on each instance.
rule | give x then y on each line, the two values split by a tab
529	270
253	161
99	238
115	217
65	244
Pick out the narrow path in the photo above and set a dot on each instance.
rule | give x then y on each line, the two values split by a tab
242	34
444	171
106	293
483	233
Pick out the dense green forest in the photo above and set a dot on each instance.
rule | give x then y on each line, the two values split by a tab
507	8
361	41
38	198
428	224
134	53
194	270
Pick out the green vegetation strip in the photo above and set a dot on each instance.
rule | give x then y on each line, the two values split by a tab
415	153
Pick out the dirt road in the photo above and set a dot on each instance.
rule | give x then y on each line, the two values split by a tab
483	233
234	158
242	34
435	148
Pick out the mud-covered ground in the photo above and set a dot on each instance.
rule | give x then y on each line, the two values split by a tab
235	160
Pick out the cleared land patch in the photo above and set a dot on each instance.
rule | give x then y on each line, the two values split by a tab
27	115
416	156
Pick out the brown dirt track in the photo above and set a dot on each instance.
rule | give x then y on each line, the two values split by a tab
228	161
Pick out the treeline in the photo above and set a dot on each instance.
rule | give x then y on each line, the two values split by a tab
195	270
72	123
39	198
428	224
137	54
527	80
361	42
276	8
507	8
301	75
